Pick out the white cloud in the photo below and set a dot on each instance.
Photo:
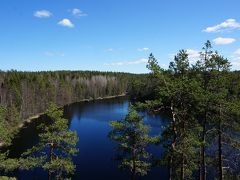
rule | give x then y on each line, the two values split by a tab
78	13
42	14
143	49
54	54
193	55
236	64
223	41
237	54
123	63
236	59
227	25
66	22
109	50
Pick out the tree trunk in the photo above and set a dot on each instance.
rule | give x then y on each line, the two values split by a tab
174	141
200	164
183	157
170	167
183	169
202	152
133	175
51	158
220	164
51	152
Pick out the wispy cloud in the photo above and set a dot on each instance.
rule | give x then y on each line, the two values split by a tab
223	41
227	25
123	63
78	13
143	49
42	14
109	50
193	55
54	54
236	55
237	52
235	59
66	22
236	63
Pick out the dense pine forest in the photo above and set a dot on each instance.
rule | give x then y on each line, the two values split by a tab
202	100
24	94
31	92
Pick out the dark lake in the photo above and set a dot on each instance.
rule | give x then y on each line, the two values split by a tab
96	152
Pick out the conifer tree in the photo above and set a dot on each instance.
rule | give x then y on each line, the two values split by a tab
56	145
215	112
221	114
132	137
6	164
179	94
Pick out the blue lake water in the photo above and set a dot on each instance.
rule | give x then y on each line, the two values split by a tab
94	160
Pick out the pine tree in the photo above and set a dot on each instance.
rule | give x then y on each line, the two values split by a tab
56	145
205	68
222	114
179	94
213	73
132	137
5	136
6	164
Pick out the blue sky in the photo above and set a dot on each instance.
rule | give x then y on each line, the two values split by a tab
113	35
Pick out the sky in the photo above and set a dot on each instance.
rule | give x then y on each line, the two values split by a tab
113	35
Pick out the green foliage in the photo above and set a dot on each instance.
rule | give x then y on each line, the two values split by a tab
5	136
203	100
29	163
8	164
23	94
26	94
7	178
132	137
56	146
59	166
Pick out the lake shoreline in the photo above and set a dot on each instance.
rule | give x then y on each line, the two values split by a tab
36	116
29	119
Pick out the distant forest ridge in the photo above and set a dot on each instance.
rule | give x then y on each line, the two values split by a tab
25	94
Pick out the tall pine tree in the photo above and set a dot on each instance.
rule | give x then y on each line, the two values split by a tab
132	137
56	145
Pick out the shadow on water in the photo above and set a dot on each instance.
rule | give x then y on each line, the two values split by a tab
96	152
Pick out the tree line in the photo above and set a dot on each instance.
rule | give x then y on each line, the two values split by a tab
24	94
31	92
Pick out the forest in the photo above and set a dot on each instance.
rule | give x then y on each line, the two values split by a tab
25	94
202	100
